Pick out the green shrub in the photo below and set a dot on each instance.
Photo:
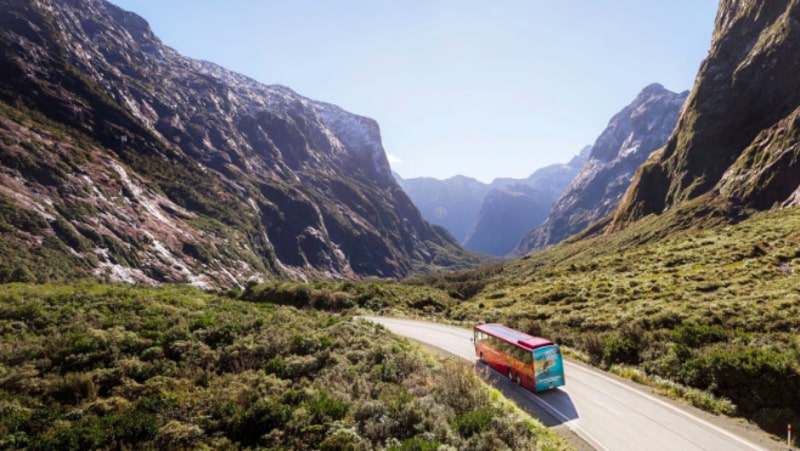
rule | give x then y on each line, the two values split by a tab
131	427
178	435
258	420
474	421
343	439
620	349
594	347
324	408
695	336
416	444
73	388
302	344
752	378
120	367
276	366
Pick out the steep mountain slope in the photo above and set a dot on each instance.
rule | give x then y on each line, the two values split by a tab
124	160
735	147
509	212
457	203
506	214
452	203
631	136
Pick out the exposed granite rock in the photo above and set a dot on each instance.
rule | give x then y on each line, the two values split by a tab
148	166
735	141
631	136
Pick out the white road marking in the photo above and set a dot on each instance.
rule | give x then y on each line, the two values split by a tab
668	406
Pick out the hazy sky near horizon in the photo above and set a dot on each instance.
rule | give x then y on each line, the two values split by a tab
477	88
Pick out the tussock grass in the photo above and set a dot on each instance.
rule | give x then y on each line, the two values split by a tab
714	311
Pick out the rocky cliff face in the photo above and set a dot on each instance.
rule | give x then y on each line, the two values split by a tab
124	160
631	136
736	141
511	210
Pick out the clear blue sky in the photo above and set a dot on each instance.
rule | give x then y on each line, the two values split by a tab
473	87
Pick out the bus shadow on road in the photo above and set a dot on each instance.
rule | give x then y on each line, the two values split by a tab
552	408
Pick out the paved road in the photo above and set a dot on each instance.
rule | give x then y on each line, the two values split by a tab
607	413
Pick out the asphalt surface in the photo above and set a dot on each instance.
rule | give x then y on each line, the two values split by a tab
605	412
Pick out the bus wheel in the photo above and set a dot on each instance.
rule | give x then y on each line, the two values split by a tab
481	358
510	374
518	380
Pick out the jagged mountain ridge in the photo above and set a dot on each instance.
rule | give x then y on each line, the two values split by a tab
510	211
632	135
735	148
122	159
452	203
466	206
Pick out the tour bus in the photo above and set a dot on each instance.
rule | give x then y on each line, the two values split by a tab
533	362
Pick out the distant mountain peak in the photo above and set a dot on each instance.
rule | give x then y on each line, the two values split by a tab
632	135
491	217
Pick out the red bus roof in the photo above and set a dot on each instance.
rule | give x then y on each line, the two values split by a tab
513	336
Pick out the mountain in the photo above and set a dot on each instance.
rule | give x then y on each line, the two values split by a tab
631	136
512	209
125	161
735	149
477	213
452	203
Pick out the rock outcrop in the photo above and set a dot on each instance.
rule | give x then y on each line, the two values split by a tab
736	142
631	137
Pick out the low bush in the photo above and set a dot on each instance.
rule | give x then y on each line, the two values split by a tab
474	422
752	378
106	367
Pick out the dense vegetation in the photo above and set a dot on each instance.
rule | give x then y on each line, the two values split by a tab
98	366
715	309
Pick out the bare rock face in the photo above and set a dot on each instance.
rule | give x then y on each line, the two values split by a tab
123	160
631	136
736	140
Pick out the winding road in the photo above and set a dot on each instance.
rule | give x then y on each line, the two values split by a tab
606	412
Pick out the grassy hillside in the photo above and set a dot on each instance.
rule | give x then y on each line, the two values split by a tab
96	366
717	309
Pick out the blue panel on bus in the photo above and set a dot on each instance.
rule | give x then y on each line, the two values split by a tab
506	332
549	368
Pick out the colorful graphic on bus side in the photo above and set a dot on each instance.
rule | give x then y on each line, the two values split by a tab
532	362
549	368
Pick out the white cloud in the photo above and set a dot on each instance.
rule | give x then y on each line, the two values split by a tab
393	159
